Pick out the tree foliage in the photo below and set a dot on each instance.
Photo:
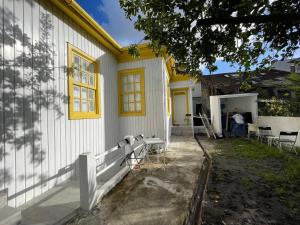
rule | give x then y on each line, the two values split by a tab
245	32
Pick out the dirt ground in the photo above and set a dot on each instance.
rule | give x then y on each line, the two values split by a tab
156	194
250	184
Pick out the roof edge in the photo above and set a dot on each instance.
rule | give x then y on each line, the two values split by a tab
83	19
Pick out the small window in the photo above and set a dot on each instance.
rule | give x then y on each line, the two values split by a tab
84	86
131	92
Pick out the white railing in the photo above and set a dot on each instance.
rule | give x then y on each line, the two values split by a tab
92	167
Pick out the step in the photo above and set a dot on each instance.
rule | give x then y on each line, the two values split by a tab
182	131
10	216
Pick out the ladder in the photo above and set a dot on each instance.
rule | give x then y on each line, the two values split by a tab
208	128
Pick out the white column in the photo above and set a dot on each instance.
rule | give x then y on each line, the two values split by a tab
215	111
88	181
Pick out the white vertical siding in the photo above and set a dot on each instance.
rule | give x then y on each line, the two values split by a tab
39	145
8	102
167	118
153	121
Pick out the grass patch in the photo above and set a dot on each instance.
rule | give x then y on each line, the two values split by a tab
253	149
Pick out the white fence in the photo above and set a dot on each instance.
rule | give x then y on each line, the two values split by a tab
280	123
99	174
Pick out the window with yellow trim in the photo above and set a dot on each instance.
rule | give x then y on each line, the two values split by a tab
84	85
131	92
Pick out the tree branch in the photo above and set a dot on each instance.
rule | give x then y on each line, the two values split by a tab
275	18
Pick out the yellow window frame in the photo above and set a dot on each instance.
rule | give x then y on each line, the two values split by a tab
127	72
72	50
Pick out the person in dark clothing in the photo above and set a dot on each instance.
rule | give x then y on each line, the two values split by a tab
238	125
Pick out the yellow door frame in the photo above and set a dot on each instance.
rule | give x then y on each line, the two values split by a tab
179	91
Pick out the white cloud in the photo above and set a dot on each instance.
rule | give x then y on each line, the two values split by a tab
202	66
118	26
297	53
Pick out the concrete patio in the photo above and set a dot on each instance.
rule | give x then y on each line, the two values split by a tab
153	194
53	207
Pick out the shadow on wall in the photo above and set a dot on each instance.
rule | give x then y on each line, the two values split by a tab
27	69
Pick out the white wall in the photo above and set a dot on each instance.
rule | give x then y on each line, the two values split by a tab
153	121
243	103
181	84
196	91
39	145
279	123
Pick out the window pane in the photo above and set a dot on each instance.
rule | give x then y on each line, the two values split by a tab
91	68
125	88
84	106
91	94
137	78
125	98
92	79
125	107
130	87
131	98
85	65
76	75
76	62
138	97
76	91
76	105
137	87
131	107
91	106
124	80
84	78
130	78
138	106
83	93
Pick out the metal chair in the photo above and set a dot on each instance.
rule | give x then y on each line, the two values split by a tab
288	139
130	154
264	133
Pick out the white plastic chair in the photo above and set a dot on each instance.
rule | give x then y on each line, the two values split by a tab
252	128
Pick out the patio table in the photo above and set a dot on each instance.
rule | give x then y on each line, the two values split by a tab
149	142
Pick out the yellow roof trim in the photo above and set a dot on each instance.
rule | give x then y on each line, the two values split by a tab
83	19
180	77
145	53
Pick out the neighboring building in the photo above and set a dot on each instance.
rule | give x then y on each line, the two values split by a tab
289	65
67	87
272	83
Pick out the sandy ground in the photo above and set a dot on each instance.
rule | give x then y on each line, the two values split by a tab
237	195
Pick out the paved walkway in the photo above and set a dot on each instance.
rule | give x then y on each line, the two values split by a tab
152	195
53	207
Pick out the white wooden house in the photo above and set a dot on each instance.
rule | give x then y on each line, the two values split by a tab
67	87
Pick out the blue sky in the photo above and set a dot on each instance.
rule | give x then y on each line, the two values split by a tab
111	17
